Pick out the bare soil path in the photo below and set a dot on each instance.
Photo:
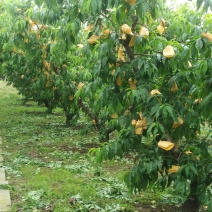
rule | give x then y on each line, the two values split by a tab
5	202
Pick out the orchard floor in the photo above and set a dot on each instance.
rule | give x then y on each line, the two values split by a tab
49	169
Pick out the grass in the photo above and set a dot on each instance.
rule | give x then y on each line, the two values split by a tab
48	167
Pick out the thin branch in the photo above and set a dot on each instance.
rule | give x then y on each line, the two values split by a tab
168	136
135	54
87	110
134	22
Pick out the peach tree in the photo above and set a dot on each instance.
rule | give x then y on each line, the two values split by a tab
152	84
37	64
5	21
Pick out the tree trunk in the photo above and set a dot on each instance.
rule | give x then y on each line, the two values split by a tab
48	106
101	127
105	133
104	136
69	116
192	203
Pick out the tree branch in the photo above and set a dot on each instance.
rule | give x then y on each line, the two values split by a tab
86	109
134	22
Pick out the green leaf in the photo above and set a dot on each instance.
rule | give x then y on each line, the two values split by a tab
199	43
194	51
153	125
149	167
120	15
163	182
138	39
140	63
203	68
194	170
154	109
94	6
185	55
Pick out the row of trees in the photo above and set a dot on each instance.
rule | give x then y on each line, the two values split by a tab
132	66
